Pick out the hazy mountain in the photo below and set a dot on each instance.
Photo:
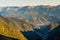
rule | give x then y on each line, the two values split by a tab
37	15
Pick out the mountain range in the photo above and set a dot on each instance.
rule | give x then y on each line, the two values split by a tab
37	15
30	22
22	30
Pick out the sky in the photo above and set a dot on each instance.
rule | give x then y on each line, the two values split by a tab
28	2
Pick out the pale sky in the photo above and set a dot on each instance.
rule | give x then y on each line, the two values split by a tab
28	2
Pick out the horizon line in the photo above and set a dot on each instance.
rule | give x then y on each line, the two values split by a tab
28	5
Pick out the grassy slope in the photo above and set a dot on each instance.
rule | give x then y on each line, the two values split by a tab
8	30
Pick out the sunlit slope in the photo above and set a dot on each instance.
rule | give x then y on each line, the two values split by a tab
20	24
54	25
8	30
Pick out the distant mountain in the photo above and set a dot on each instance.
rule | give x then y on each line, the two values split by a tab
37	15
46	9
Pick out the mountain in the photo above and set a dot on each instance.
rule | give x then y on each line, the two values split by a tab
15	28
20	24
32	22
9	31
12	28
44	33
37	15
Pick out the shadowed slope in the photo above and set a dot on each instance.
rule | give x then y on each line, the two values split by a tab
54	34
2	37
